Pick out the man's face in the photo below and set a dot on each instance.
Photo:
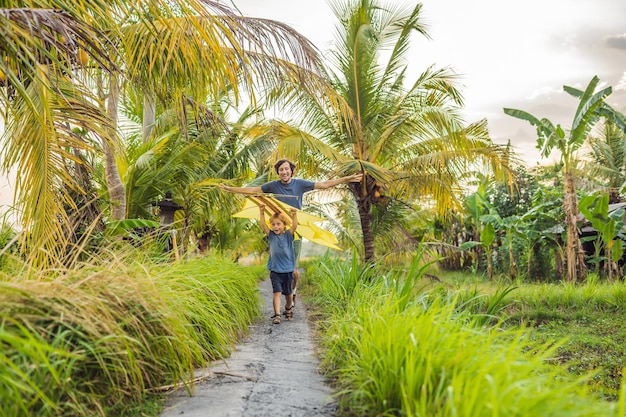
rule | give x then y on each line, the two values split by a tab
284	172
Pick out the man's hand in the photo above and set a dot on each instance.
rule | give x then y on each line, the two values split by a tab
356	177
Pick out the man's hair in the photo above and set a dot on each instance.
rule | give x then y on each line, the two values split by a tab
282	161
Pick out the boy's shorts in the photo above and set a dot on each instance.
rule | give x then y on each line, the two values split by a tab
281	282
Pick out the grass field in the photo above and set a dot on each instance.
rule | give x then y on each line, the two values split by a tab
426	344
587	317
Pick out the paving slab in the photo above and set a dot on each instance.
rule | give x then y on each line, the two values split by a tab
273	372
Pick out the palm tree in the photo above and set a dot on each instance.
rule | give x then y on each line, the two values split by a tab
408	139
188	162
608	158
195	49
168	49
554	137
46	109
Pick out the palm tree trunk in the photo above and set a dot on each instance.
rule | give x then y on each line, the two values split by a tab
512	261
149	114
364	206
574	253
117	192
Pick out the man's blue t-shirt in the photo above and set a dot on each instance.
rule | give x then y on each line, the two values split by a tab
281	258
296	187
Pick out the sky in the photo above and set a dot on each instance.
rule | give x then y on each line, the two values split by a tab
516	54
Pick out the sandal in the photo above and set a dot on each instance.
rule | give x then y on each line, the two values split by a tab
289	313
276	318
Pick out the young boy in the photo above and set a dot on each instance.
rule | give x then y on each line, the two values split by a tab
281	262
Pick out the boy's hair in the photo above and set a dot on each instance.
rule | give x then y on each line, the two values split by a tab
282	161
279	216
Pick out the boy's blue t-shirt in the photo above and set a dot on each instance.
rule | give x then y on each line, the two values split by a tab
296	187
281	258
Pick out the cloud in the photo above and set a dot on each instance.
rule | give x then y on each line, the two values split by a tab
621	84
617	41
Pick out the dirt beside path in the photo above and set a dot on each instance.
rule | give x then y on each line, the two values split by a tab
274	372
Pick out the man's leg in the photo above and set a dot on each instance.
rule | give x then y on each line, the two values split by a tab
297	248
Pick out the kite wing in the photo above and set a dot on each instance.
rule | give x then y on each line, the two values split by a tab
306	221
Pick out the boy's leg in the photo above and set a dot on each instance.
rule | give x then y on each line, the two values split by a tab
287	283
276	302
276	294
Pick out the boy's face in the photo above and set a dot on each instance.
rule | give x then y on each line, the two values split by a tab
277	226
284	172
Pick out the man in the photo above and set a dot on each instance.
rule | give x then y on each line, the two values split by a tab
290	191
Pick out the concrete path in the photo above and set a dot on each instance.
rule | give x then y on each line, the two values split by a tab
274	372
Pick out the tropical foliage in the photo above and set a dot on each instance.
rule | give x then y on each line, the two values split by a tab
109	105
554	137
406	136
83	58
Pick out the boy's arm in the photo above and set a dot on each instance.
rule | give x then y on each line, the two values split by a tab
266	229
294	220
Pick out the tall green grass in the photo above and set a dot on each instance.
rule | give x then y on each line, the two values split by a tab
566	296
94	340
433	355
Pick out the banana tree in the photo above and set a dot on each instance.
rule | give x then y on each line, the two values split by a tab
477	205
551	137
595	208
494	224
533	228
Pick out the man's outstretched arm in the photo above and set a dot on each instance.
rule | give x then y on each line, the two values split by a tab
241	190
322	185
